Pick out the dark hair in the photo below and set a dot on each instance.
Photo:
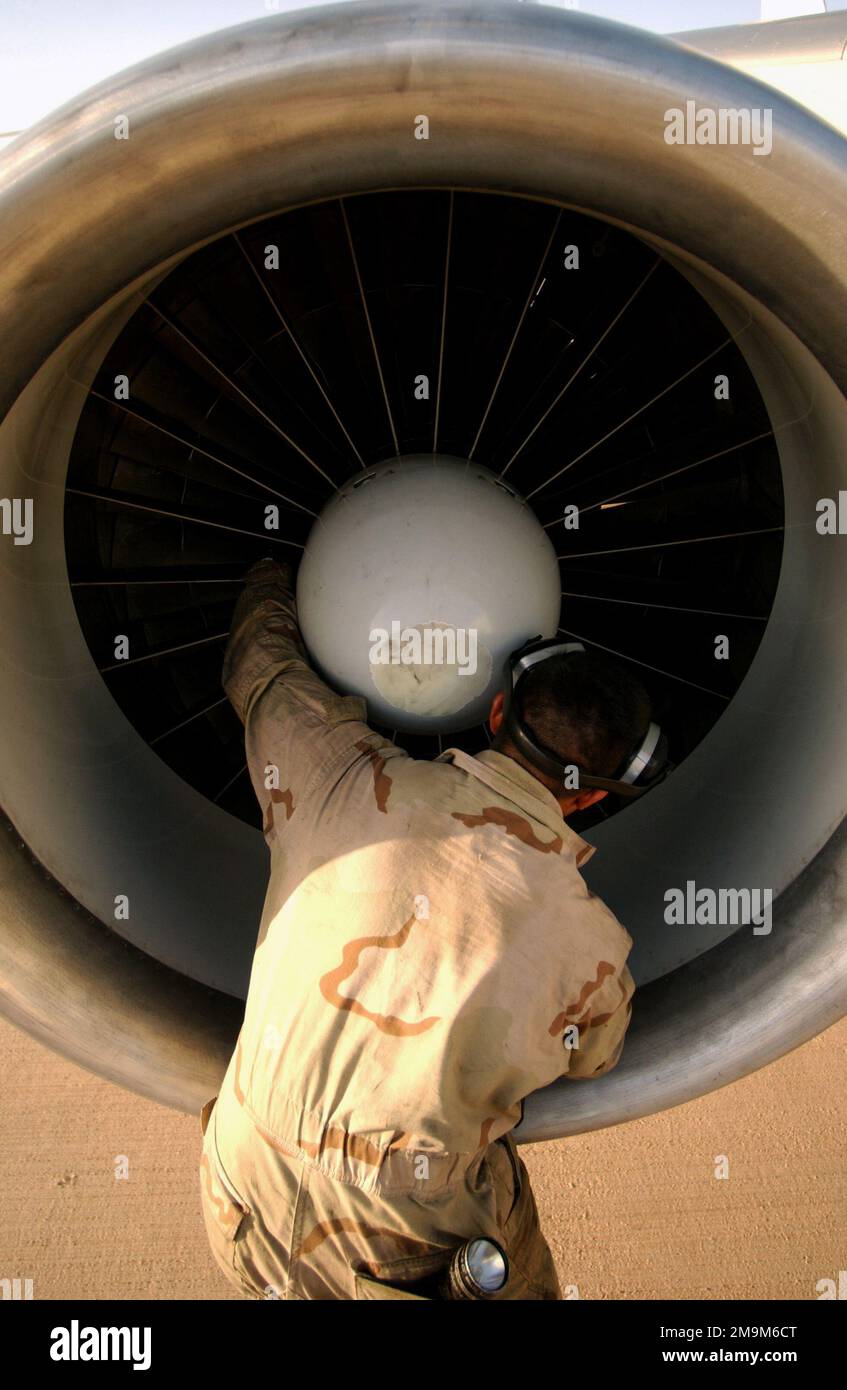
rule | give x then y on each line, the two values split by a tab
585	709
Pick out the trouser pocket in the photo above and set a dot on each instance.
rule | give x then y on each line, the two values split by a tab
515	1168
532	1272
224	1211
416	1276
367	1288
504	1168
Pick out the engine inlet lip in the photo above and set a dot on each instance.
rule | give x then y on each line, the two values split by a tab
553	105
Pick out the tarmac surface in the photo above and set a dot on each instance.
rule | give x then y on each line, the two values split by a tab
631	1212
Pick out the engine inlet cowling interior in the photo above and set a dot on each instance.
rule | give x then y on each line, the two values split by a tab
648	372
572	362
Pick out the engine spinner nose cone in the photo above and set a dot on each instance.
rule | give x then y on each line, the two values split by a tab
418	579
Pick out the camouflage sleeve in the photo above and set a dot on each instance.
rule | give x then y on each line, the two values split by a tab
293	720
602	1029
263	635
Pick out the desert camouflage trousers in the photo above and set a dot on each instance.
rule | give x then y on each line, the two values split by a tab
280	1229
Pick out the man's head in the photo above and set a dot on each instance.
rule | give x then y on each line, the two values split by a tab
586	709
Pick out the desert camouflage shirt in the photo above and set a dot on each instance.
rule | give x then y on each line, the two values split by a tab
428	946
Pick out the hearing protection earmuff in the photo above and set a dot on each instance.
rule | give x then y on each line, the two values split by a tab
641	769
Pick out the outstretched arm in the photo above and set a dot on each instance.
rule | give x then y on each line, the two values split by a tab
263	637
293	721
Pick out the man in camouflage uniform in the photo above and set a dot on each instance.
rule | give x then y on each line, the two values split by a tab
427	955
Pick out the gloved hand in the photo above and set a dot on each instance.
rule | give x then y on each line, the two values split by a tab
271	569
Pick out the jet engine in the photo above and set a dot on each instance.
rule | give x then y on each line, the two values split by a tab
252	272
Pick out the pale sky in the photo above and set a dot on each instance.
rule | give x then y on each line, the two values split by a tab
51	50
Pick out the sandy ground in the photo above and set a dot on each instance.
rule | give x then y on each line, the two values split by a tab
631	1212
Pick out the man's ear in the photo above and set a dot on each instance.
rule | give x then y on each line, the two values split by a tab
495	714
589	796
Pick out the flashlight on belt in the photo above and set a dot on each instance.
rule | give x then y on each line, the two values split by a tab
478	1269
